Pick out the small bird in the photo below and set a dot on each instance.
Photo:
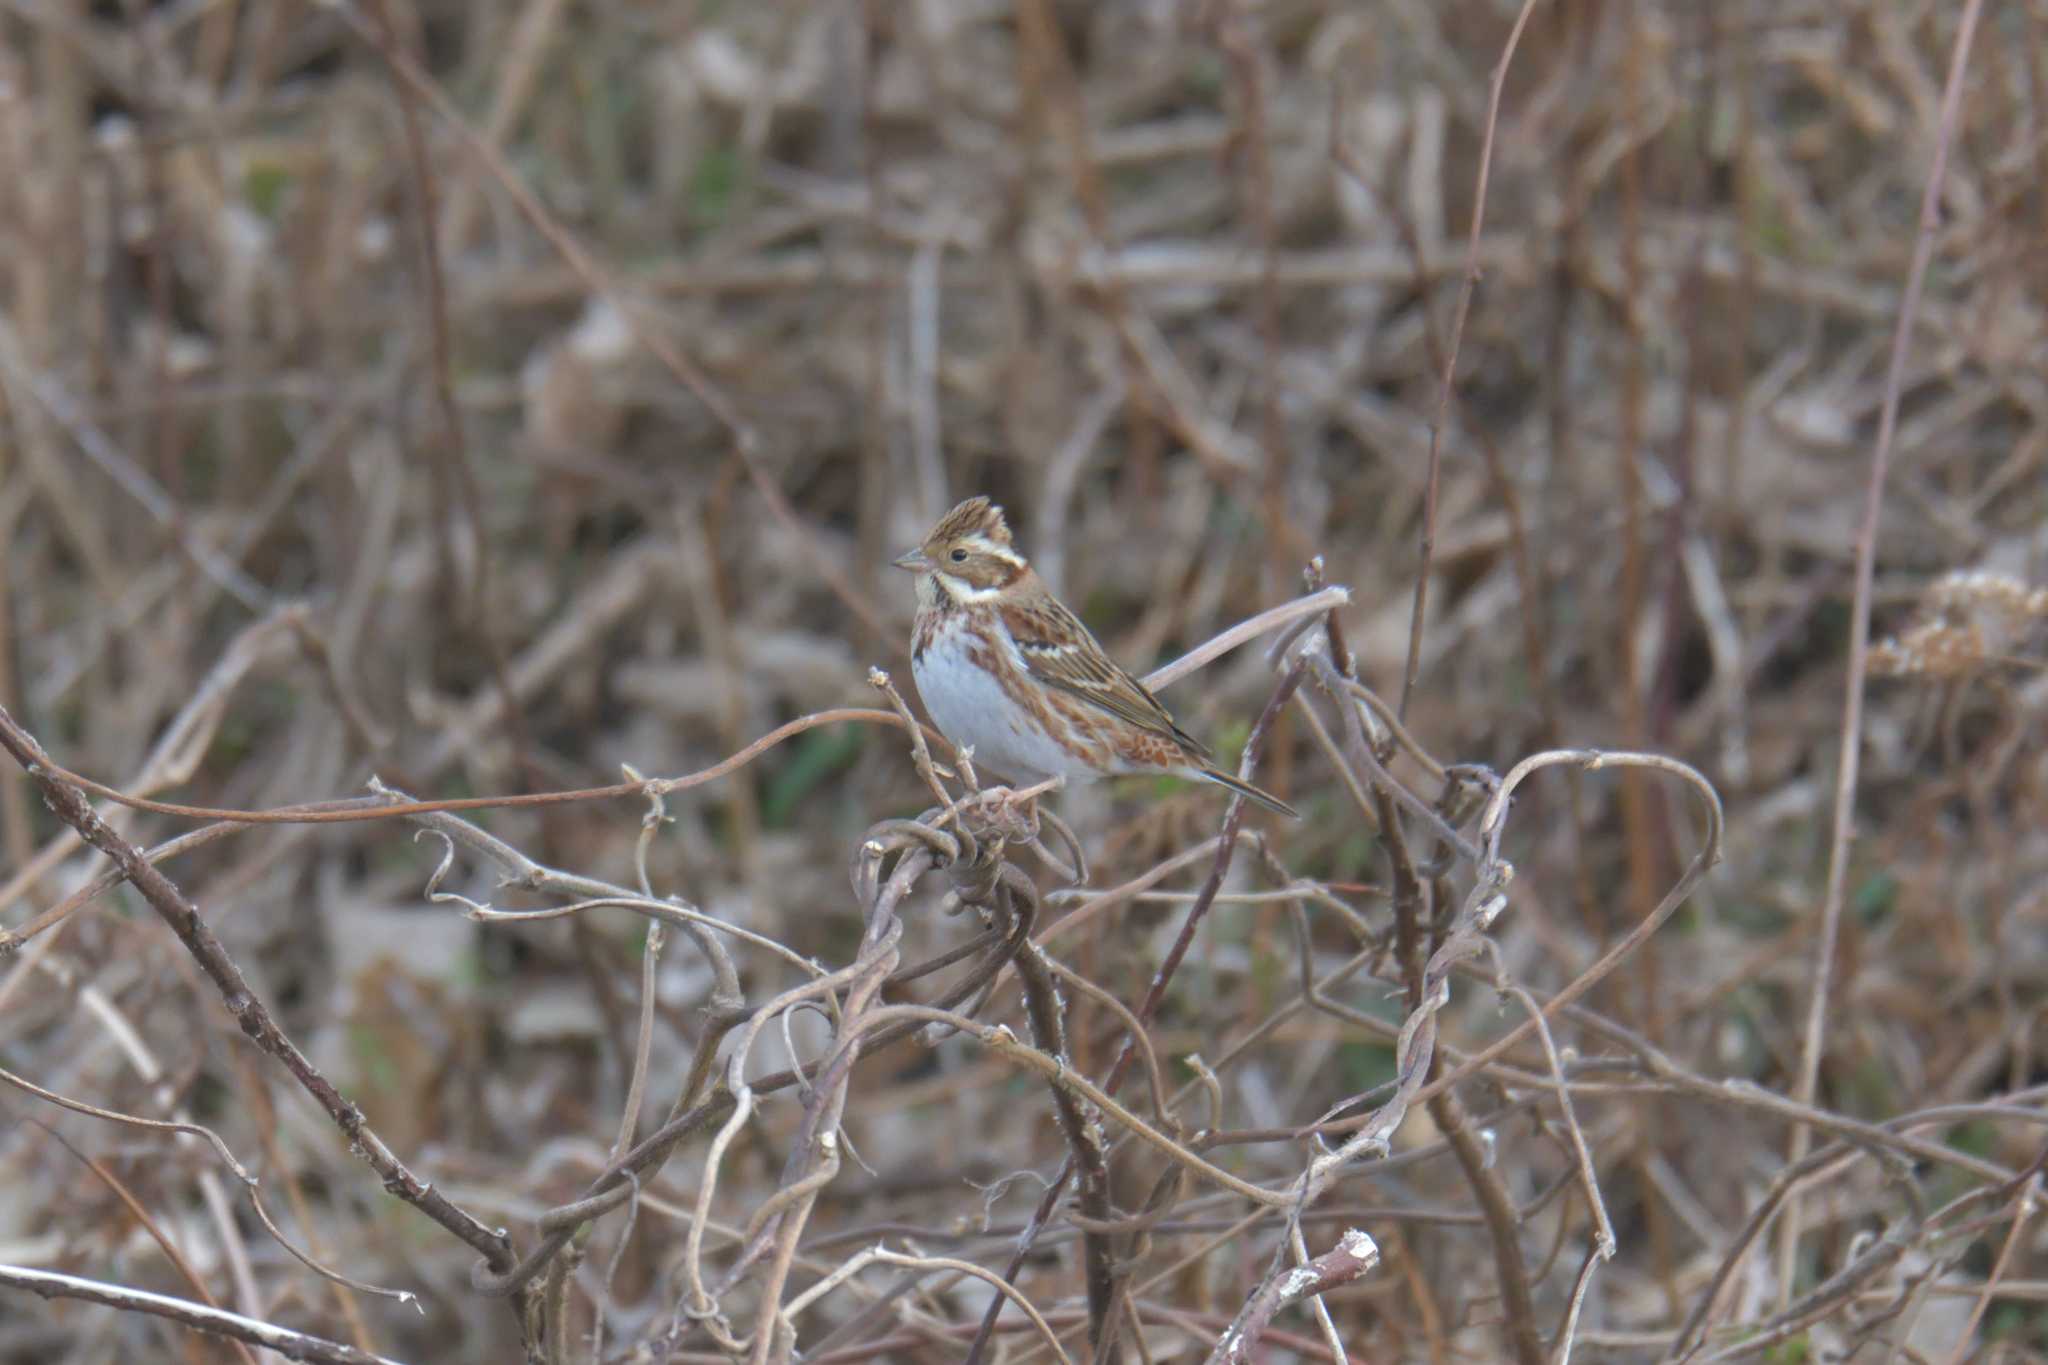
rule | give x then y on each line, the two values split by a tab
1004	667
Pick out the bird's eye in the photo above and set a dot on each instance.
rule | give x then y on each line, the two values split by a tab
959	556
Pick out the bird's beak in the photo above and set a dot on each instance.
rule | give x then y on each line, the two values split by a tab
915	562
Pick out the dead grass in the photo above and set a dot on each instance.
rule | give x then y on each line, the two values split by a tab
479	398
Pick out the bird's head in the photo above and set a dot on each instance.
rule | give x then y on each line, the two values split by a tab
967	556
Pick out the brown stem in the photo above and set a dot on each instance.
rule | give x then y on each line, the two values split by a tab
1084	1142
178	911
1226	850
1517	1305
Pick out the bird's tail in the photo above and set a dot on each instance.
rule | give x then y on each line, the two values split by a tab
1246	790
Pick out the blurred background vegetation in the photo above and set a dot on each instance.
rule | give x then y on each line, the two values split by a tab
350	306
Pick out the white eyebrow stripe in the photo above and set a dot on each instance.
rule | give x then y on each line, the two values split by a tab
983	545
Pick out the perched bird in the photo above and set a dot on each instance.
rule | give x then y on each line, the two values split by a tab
1004	667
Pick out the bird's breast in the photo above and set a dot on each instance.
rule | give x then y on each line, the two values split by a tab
973	684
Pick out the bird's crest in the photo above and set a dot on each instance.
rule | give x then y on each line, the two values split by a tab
976	516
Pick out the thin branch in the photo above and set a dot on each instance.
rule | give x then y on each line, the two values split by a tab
1821	989
198	1316
1467	283
182	916
1354	1255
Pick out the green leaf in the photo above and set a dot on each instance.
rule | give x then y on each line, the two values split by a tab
814	758
264	186
1873	900
712	188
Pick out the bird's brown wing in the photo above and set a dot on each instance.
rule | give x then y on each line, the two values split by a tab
1060	652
